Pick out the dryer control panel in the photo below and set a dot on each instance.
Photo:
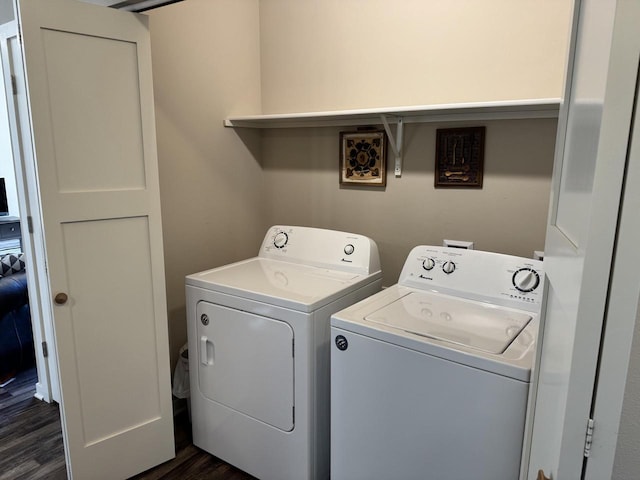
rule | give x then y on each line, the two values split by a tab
322	248
485	276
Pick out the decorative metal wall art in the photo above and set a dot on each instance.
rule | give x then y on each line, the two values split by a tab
363	158
459	157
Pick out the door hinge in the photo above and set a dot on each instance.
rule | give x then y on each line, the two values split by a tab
588	439
45	349
293	414
30	223
293	347
14	84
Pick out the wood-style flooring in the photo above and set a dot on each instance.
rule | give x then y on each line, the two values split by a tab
31	442
190	462
30	433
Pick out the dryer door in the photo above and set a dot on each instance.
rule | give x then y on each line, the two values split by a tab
245	362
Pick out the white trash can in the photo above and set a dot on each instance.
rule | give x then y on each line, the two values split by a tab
181	378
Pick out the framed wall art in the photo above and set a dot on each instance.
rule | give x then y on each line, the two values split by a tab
363	158
459	157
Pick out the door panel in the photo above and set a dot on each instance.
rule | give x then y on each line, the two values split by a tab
246	363
83	128
88	75
615	442
116	360
568	346
593	133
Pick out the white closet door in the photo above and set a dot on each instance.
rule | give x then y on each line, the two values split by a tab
593	135
89	84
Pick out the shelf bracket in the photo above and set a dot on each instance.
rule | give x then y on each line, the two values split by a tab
395	141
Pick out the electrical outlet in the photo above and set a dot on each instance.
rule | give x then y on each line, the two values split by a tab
457	244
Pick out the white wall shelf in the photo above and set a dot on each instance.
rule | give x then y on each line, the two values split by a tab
452	112
512	109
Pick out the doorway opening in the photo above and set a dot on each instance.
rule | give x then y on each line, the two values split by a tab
31	427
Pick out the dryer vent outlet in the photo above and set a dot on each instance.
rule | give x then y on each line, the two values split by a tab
457	244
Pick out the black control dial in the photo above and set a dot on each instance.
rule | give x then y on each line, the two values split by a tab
526	279
428	263
280	240
448	267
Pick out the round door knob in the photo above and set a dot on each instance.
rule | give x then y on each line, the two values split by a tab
542	476
61	298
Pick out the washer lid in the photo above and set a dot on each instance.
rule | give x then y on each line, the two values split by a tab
290	285
484	327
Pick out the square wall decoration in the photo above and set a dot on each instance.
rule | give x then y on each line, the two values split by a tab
363	158
459	157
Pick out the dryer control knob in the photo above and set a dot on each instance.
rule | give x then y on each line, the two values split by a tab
448	267
526	280
428	263
280	240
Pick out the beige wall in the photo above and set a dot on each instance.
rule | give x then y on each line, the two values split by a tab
627	460
221	188
205	64
507	215
343	54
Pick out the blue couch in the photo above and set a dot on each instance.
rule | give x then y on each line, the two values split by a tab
16	335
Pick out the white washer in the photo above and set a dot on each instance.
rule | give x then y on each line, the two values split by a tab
430	377
259	348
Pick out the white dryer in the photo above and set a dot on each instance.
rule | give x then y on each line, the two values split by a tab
430	377
259	333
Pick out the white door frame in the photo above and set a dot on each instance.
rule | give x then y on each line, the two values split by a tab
47	387
624	291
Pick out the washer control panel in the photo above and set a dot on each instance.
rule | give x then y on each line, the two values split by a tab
486	276
321	248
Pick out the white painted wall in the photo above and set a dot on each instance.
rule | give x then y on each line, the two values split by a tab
343	54
205	64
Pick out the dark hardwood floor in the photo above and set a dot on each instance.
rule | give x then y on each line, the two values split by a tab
190	462
31	442
30	433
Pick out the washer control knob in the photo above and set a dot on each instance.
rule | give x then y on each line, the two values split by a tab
428	263
280	240
349	249
526	279
448	267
